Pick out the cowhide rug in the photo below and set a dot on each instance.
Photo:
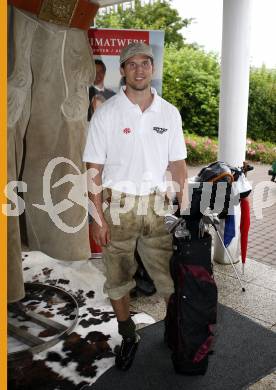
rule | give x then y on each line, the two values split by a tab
87	352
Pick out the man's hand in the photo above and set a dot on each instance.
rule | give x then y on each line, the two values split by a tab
100	231
180	177
100	234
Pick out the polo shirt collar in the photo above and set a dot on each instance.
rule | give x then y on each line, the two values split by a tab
155	105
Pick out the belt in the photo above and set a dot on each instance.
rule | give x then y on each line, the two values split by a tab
108	193
70	13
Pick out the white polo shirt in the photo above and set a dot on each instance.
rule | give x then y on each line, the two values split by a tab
135	147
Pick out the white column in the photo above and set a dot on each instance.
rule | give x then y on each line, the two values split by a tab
234	88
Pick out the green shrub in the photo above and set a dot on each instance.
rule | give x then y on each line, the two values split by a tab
200	150
262	105
264	152
191	83
203	150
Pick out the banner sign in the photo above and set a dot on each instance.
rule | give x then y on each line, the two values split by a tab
107	44
111	42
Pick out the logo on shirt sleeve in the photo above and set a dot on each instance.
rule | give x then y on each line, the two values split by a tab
159	130
127	130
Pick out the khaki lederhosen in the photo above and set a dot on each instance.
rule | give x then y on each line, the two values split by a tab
154	244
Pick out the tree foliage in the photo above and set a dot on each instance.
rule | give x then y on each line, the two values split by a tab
262	104
191	83
154	16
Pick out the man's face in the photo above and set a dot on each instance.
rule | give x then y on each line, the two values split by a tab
100	73
138	71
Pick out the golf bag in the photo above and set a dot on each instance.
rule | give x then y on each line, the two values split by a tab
192	308
191	312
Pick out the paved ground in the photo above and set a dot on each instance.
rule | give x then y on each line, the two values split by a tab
262	238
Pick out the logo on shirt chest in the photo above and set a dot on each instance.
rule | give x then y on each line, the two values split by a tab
127	130
159	130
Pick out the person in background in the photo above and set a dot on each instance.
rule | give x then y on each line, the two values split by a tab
132	139
98	87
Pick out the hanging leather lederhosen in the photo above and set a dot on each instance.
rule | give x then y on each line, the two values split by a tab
51	67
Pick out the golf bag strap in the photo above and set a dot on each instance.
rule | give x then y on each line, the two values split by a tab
221	176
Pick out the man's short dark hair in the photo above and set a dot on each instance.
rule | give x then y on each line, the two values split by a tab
100	62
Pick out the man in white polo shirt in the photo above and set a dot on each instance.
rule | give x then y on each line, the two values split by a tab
133	138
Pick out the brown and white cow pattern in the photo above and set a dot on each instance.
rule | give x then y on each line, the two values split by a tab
87	352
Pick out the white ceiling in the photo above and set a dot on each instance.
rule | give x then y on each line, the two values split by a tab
105	3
